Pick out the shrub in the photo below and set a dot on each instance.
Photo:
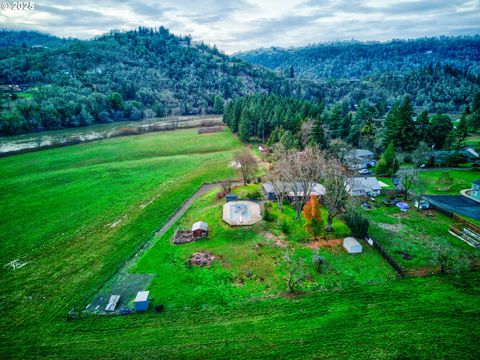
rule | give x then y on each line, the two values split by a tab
285	227
267	212
318	262
253	195
357	223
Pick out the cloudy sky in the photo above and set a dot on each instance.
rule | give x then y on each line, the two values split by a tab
248	24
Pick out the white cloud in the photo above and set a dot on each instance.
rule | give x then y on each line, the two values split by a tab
246	24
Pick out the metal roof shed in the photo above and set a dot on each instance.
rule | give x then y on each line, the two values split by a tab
141	301
200	225
352	245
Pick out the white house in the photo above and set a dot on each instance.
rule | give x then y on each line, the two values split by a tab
363	186
360	159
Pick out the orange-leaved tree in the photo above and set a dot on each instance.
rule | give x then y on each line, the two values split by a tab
313	216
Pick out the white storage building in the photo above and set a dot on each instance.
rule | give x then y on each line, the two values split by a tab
352	245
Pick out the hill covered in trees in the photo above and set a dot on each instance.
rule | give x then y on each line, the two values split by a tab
123	76
440	74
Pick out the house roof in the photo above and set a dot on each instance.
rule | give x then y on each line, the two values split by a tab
200	225
360	153
363	183
472	152
317	189
142	296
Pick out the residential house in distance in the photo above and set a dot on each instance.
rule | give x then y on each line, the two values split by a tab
360	159
263	149
289	190
363	186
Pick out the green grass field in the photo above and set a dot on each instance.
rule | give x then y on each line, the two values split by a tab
75	214
411	238
249	264
462	179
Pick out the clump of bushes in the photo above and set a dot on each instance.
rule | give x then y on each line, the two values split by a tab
318	261
357	223
267	212
284	226
254	195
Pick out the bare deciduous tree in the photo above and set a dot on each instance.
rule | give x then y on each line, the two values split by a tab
418	190
276	177
246	165
336	195
408	177
296	270
301	170
339	149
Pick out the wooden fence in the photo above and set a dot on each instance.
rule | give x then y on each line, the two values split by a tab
400	271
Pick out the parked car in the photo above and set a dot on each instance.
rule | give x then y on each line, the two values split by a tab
364	172
366	205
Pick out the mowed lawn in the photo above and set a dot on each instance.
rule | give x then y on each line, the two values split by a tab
75	214
462	179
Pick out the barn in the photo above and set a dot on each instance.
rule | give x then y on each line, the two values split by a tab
200	229
352	245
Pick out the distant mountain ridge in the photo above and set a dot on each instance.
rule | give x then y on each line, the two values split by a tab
28	38
125	76
360	59
439	74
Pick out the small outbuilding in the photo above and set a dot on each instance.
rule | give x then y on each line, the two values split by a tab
352	245
200	229
142	300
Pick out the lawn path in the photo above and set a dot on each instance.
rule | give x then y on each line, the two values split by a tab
126	284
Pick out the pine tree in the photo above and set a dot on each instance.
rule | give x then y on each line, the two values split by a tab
388	164
400	127
287	140
423	126
440	127
218	105
318	135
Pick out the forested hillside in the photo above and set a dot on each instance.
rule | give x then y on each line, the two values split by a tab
124	75
438	73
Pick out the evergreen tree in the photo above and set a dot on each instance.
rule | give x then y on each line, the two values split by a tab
400	127
388	164
318	134
335	117
475	113
218	105
456	138
288	140
423	126
440	127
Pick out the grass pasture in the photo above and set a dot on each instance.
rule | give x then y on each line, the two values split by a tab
74	214
412	238
462	179
249	260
